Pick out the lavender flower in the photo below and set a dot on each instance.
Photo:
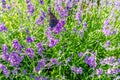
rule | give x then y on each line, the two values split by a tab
41	1
54	61
69	5
84	26
40	48
3	4
3	28
15	59
30	8
5	56
24	71
30	39
81	33
16	45
79	70
53	42
91	61
28	1
73	69
99	71
80	54
107	44
30	52
8	6
4	48
40	64
59	27
40	20
78	17
5	70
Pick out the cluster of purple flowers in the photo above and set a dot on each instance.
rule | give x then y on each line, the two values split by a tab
16	45
40	48
5	70
59	27
40	20
52	40
108	29
3	27
91	61
76	70
30	7
40	65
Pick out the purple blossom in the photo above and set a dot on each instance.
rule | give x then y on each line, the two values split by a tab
79	70
84	26
63	13
80	54
108	61
53	42
30	52
69	5
30	39
91	61
4	48
24	71
3	3
30	8
73	69
59	27
78	17
113	71
3	28
54	61
41	64
41	1
8	6
40	20
5	70
15	72
99	71
5	56
16	45
107	44
40	48
15	59
28	1
81	33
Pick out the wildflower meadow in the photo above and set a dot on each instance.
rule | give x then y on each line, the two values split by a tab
59	39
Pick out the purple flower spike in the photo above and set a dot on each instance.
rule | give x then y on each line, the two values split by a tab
16	45
80	54
54	61
28	1
3	28
30	39
30	8
30	52
79	70
41	1
24	71
107	44
59	27
3	4
91	61
40	48
5	56
5	70
99	71
40	20
53	42
4	48
14	59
